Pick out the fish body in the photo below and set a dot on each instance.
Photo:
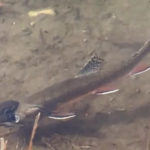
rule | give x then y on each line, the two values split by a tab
71	91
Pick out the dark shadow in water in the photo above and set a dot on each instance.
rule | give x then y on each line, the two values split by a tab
87	127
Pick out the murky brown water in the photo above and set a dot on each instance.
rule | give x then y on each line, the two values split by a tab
37	52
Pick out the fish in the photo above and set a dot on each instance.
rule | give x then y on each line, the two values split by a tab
52	100
69	92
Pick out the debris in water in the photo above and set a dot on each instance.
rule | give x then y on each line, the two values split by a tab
35	13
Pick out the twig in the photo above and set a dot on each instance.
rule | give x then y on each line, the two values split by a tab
34	130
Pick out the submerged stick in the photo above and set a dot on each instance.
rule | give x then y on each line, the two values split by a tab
34	130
